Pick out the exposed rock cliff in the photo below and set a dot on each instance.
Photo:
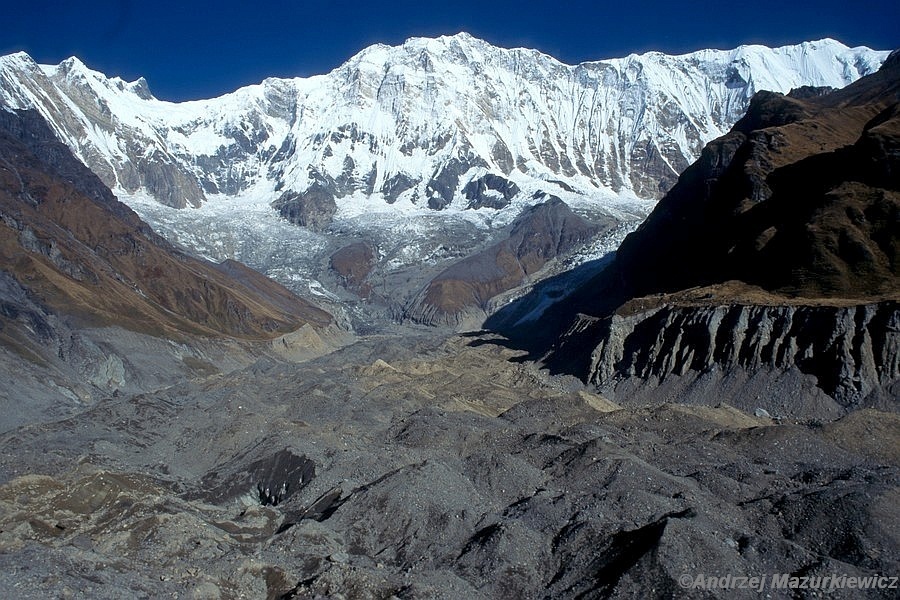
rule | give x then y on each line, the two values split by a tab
853	351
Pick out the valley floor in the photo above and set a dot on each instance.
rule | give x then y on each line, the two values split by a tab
427	466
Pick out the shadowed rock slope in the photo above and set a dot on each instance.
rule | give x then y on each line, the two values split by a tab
777	250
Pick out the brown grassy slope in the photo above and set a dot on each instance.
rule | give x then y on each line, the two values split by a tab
82	253
801	198
353	264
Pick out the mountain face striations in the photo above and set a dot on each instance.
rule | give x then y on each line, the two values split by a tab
423	121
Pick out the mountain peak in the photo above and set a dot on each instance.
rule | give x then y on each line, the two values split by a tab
20	56
140	88
461	37
18	60
74	70
73	64
383	54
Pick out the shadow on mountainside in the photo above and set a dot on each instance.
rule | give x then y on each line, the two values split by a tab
534	321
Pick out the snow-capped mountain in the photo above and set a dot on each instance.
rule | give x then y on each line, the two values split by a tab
423	120
438	140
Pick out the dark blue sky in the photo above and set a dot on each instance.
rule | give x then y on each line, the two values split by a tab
202	49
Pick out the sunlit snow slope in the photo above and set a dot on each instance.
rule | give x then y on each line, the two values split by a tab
422	120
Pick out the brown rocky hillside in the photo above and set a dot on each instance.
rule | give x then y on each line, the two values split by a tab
78	251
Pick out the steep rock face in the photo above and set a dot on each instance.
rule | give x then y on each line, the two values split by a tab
853	352
312	208
491	191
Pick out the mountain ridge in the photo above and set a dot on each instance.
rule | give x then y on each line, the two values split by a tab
142	83
375	80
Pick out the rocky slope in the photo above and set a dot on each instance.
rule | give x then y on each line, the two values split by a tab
82	251
776	250
462	292
427	151
92	295
414	468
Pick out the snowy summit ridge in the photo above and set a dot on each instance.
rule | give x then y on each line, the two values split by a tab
421	121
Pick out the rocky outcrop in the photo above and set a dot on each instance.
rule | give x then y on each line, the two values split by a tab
852	351
396	185
162	178
271	480
353	264
490	191
463	291
441	188
313	208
